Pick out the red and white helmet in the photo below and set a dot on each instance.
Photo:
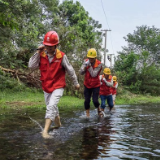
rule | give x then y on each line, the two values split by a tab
51	38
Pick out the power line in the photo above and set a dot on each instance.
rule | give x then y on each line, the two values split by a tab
111	42
105	49
105	14
107	24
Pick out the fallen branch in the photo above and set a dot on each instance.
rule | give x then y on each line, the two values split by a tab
27	78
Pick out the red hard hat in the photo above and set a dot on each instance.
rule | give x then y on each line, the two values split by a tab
51	38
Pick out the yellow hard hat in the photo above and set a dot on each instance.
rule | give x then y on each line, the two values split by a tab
114	78
107	71
92	53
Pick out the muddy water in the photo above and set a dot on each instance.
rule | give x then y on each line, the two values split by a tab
131	132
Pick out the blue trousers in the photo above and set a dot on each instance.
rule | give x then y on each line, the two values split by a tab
109	101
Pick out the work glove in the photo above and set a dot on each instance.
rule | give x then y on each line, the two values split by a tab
104	80
87	63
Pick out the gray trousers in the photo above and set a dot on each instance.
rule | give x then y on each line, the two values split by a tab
52	100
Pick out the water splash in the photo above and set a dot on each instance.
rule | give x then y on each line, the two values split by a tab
36	123
104	115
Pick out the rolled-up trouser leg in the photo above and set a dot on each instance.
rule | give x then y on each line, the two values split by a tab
52	100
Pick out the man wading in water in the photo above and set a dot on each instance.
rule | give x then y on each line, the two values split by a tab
91	68
52	64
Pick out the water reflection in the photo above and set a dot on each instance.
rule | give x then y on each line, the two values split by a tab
89	143
96	140
132	132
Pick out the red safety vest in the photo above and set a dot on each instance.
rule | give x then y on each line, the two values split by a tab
92	82
104	89
114	90
52	74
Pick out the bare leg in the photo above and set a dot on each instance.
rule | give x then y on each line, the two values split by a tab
46	129
87	113
52	113
57	122
113	105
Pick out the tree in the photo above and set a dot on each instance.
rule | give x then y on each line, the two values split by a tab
137	65
25	23
144	39
125	67
20	25
78	32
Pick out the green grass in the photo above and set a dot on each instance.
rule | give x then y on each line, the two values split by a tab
27	96
129	98
33	98
68	101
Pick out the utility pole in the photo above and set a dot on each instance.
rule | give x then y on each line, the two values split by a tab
110	59
105	45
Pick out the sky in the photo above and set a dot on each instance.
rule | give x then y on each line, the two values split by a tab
122	17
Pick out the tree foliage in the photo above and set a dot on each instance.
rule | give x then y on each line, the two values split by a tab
78	32
20	25
137	65
23	24
144	39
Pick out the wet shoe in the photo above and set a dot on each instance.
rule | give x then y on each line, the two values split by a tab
104	115
100	113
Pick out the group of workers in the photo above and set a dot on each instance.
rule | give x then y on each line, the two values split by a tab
96	85
54	64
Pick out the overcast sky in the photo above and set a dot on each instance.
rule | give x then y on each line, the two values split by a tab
122	17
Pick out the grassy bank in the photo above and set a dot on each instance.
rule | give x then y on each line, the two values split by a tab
126	97
36	99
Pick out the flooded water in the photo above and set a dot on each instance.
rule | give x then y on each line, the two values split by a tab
130	133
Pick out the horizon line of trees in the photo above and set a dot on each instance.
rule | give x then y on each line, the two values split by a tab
23	24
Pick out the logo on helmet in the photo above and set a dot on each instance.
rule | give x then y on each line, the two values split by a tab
47	38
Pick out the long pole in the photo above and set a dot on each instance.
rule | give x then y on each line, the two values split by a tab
111	59
105	45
